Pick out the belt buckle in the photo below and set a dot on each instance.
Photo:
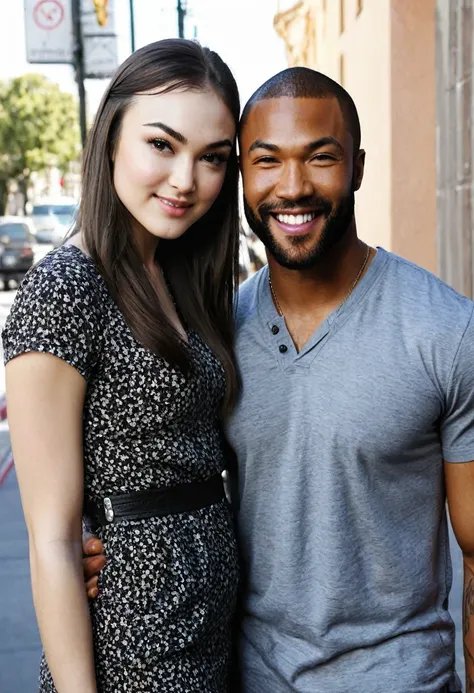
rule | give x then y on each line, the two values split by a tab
109	511
227	485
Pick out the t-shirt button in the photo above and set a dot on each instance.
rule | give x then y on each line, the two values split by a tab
283	348
275	329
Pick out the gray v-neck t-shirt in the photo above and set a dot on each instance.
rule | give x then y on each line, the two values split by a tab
342	517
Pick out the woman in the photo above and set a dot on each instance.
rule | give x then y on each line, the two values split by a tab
119	364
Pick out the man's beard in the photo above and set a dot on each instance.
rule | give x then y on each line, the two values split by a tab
335	227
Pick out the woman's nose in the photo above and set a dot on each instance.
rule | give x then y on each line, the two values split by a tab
182	177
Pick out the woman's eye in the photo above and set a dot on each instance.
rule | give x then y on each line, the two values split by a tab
159	145
215	159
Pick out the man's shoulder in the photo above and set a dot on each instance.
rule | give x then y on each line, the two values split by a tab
432	295
247	298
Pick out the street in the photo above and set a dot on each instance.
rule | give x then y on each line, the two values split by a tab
19	640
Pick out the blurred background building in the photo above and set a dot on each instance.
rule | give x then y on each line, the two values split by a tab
383	53
408	66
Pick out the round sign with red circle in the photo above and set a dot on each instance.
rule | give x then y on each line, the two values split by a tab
48	14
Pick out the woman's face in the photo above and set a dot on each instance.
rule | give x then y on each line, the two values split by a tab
171	158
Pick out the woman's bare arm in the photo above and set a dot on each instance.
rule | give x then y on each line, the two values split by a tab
45	398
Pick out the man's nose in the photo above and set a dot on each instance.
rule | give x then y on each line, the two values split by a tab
293	183
182	176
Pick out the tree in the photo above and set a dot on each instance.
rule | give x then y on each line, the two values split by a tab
38	129
4	163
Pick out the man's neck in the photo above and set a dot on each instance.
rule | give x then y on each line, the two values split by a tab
307	297
320	287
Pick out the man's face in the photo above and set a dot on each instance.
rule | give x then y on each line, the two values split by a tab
299	175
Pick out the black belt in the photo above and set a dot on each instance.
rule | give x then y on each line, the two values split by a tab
141	505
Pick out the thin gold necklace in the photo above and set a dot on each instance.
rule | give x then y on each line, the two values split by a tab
351	288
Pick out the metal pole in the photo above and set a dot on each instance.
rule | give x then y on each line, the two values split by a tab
181	16
132	26
79	67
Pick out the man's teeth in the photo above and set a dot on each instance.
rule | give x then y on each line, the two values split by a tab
296	219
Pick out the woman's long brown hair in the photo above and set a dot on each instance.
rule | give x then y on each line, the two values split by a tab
202	265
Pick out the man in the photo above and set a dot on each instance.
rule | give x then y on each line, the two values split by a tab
356	413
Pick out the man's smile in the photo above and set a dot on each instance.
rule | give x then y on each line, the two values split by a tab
297	222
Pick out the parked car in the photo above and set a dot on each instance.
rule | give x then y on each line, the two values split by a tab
16	248
53	218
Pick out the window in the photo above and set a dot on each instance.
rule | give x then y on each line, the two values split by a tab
342	70
360	6
341	18
14	231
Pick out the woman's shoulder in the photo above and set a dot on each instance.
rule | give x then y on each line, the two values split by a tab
61	307
68	275
67	267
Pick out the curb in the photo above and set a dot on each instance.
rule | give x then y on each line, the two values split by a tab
6	465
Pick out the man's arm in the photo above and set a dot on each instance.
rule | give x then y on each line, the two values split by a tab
468	623
460	493
93	561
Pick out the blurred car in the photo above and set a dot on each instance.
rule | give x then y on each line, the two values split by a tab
16	248
51	234
53	218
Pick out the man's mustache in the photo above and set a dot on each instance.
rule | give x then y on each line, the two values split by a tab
310	203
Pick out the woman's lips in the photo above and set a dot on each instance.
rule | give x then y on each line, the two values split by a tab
173	208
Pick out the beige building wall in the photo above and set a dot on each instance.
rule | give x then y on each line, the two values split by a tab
413	95
383	53
455	143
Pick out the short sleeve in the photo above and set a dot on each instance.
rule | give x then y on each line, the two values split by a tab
58	310
457	424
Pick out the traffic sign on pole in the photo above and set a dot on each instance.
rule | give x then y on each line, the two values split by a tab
99	38
49	36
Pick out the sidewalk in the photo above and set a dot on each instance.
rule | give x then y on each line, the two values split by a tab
19	641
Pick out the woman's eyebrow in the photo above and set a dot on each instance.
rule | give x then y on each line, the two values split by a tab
182	139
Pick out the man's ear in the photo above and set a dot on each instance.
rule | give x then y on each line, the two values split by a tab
359	165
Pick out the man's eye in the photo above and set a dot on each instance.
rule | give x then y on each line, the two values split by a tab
266	160
324	157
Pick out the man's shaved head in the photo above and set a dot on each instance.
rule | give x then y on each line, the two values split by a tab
302	82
